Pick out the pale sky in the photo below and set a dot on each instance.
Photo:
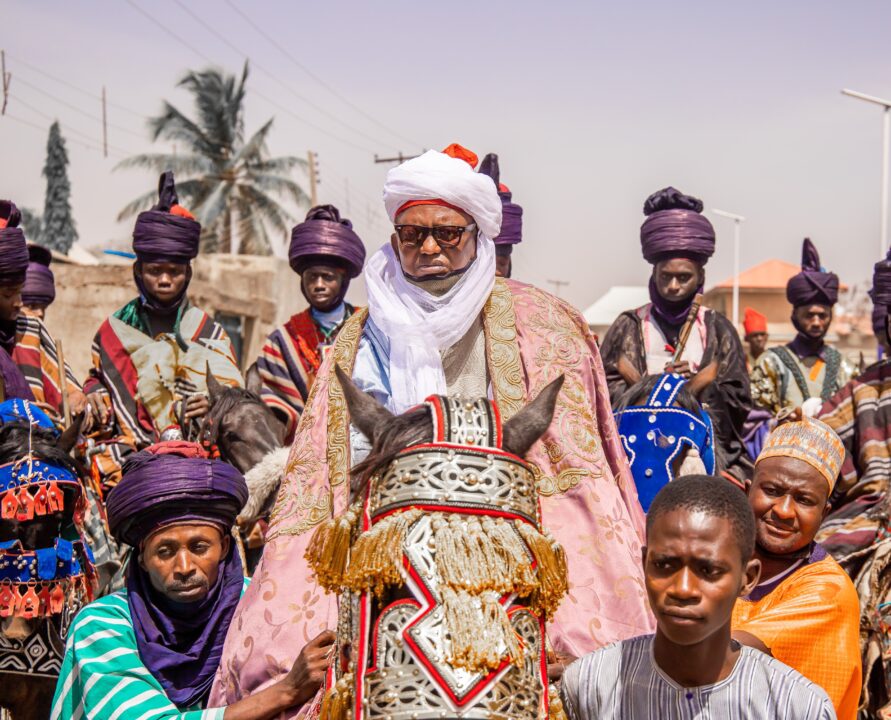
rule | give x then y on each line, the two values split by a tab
590	105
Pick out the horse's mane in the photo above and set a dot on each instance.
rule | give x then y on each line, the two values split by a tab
17	439
411	428
223	404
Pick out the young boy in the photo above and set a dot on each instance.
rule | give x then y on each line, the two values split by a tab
697	562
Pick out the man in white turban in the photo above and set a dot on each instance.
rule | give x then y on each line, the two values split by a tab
439	322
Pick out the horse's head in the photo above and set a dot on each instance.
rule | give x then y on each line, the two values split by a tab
240	424
389	434
665	431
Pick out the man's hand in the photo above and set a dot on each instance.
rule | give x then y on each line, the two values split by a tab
77	402
557	664
308	672
681	368
99	415
197	406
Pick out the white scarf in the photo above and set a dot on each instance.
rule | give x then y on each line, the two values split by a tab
420	326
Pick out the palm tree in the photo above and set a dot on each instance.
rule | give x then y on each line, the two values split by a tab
230	184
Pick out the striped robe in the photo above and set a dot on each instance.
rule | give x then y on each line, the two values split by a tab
623	682
288	363
139	378
102	675
37	357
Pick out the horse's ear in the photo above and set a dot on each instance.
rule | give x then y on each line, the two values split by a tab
629	373
701	380
252	381
524	428
214	388
68	438
366	413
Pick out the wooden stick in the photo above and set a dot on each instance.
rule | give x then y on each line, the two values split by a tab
63	383
687	328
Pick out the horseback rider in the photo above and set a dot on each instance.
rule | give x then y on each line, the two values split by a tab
327	253
678	241
439	322
150	358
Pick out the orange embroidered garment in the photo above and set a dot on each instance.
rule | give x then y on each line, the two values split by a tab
810	620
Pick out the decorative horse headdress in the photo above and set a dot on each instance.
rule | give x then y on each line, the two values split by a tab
655	434
41	581
449	579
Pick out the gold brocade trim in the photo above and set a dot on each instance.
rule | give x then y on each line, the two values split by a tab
503	350
298	510
345	348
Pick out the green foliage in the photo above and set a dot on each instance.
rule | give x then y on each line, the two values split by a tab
58	231
32	224
228	182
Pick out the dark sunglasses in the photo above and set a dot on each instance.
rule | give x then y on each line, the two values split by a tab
444	235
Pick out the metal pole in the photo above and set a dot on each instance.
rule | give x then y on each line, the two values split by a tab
736	233
886	140
313	196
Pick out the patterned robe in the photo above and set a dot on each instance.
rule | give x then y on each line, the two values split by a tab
288	364
727	398
781	380
588	497
140	378
37	357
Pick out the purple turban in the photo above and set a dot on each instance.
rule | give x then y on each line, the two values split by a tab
40	284
675	228
174	482
326	238
160	486
813	285
511	213
168	232
13	248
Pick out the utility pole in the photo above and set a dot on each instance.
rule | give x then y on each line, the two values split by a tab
104	125
313	159
7	78
886	150
557	285
738	220
400	158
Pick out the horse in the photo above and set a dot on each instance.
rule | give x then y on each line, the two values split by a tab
664	429
249	436
31	649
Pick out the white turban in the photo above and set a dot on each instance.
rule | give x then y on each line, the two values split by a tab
419	325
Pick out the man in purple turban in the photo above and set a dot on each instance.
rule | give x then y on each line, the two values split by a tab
789	375
150	358
327	253
29	361
677	240
152	649
511	219
39	290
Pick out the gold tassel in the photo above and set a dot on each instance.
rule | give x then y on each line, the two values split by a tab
553	577
479	631
555	704
338	701
376	557
329	548
478	556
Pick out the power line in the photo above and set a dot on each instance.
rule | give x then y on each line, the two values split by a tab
44	130
81	90
272	41
76	109
203	22
258	94
67	128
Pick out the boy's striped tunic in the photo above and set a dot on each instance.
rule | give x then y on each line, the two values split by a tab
103	677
